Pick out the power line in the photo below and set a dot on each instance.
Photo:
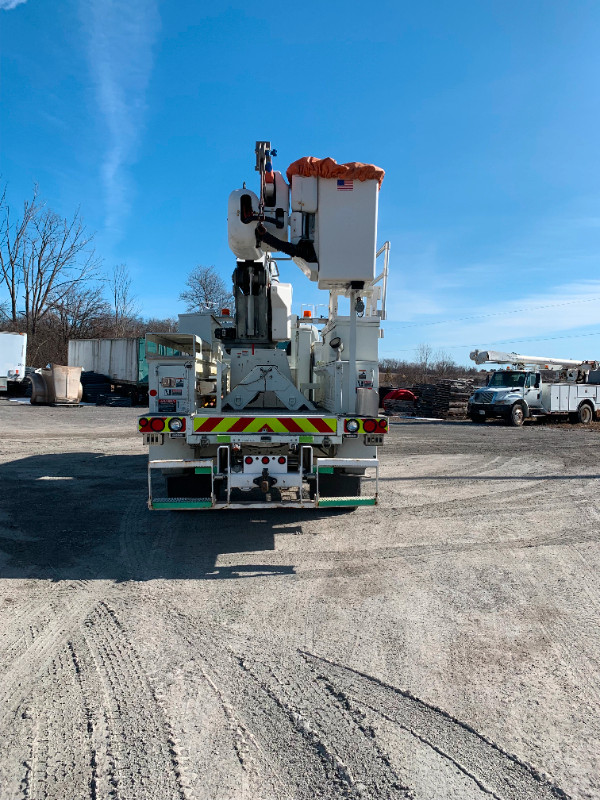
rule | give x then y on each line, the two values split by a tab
497	313
504	341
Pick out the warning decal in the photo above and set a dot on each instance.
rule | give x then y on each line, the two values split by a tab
326	425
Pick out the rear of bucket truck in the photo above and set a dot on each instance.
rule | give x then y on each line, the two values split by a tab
261	408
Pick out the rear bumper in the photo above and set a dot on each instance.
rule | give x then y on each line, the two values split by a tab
219	488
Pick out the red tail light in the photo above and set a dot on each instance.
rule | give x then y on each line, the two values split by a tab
369	425
265	459
157	424
382	424
248	459
281	460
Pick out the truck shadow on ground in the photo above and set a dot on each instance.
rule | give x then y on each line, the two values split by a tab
83	516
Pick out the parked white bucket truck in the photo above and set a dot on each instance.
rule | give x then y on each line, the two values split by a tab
527	388
261	408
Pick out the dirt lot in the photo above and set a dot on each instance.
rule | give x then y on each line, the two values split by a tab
442	645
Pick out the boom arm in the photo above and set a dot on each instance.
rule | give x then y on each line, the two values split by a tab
498	357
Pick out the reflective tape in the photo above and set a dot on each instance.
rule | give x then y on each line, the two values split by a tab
326	425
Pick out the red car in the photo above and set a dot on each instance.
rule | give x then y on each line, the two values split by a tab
396	396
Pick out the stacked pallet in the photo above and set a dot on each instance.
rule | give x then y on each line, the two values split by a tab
403	407
446	398
94	385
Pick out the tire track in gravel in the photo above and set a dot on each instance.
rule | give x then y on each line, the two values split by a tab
526	488
281	701
497	773
349	750
141	752
292	738
28	619
59	744
88	724
32	659
33	649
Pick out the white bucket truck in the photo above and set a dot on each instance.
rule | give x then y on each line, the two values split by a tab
262	408
529	388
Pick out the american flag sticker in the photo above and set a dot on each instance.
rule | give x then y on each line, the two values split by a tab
345	186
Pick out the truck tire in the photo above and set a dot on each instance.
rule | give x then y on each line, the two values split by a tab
585	414
516	417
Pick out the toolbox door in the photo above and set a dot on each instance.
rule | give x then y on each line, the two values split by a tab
173	389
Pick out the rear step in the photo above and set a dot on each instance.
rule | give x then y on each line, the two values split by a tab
325	502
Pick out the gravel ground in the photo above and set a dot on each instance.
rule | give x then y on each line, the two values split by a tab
442	645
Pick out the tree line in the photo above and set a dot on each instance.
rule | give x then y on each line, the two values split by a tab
428	366
53	286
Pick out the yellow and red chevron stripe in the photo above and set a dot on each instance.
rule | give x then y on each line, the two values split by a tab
215	424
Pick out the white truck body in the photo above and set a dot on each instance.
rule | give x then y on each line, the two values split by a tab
266	409
560	398
12	358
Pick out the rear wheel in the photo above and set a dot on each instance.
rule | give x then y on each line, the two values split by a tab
585	413
517	415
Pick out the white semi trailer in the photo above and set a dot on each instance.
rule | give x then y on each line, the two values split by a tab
12	358
528	388
259	407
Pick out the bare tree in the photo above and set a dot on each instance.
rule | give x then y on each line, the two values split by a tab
155	325
42	256
443	364
81	313
427	367
389	367
423	357
5	318
124	302
13	242
206	290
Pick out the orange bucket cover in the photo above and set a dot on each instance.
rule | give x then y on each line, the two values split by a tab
309	166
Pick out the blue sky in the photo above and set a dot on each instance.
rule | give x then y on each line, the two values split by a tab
484	115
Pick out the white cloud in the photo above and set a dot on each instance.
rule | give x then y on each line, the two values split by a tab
7	5
121	37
